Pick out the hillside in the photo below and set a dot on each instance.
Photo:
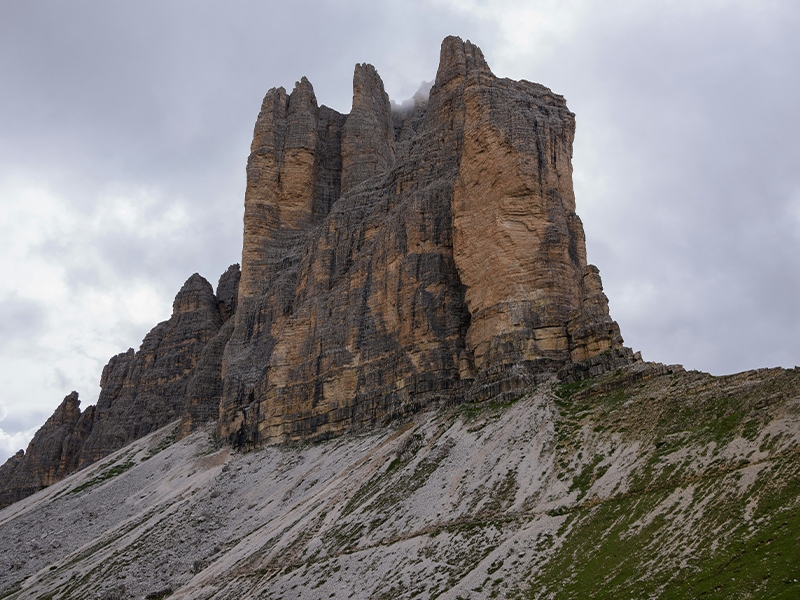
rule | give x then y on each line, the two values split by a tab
412	387
646	482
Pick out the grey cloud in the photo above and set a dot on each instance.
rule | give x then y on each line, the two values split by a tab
20	319
698	117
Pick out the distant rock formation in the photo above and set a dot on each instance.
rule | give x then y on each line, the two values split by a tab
389	260
175	374
52	453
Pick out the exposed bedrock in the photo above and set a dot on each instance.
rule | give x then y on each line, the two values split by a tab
451	264
389	260
52	453
176	374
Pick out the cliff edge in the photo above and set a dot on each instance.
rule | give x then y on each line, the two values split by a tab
390	260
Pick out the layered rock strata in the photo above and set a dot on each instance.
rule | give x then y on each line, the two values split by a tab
451	264
389	260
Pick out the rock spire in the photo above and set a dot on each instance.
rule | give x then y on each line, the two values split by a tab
390	260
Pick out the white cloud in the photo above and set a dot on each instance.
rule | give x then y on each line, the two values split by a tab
58	269
11	443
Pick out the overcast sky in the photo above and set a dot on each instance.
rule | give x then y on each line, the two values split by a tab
125	128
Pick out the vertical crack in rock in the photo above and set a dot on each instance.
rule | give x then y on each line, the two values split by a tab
368	135
453	264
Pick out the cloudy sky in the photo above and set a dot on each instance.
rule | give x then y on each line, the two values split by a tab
125	128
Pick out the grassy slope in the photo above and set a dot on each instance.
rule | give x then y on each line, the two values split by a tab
699	520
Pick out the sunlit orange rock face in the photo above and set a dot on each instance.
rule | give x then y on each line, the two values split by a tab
391	259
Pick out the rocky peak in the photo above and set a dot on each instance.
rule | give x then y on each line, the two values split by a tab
52	453
176	374
302	115
457	59
227	293
407	118
453	267
389	261
368	135
195	295
293	175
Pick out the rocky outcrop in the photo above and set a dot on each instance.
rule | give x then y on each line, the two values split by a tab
174	375
368	134
390	259
204	388
143	391
451	265
51	455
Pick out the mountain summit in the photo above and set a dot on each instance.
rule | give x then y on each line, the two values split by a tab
390	260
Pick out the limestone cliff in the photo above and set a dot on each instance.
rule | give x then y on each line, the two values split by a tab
449	263
390	260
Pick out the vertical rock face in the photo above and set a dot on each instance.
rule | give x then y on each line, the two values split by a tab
293	178
518	243
389	260
368	135
452	263
204	387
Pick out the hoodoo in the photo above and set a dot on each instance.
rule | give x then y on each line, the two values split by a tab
390	260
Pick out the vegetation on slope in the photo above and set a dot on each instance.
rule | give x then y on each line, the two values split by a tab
648	482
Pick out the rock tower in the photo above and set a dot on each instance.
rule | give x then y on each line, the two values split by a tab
390	260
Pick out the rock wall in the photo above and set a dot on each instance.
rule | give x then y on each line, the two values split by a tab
452	264
389	260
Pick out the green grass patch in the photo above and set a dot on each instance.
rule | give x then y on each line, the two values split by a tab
110	473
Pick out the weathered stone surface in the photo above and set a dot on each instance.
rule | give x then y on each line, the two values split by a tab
52	453
228	291
518	243
204	389
389	260
152	390
175	374
452	264
368	135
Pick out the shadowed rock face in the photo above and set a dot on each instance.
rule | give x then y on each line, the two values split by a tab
389	260
144	391
52	453
451	264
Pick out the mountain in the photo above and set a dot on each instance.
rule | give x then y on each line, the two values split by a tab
390	260
412	387
646	482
